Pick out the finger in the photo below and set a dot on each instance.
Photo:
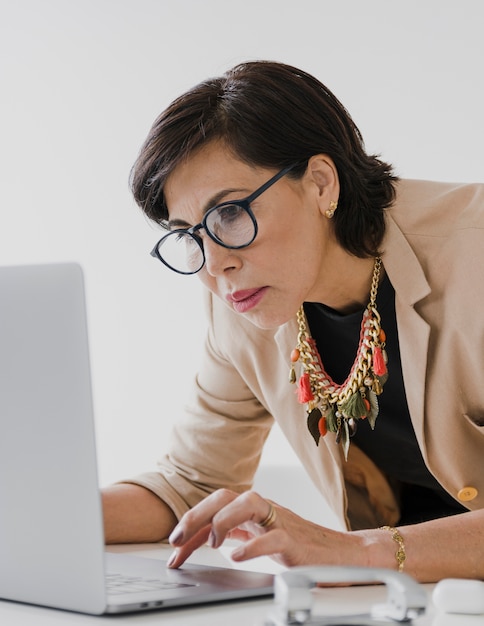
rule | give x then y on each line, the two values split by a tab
200	516
268	544
225	510
240	534
270	518
181	554
247	510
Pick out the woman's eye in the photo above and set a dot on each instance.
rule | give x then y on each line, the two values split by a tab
228	213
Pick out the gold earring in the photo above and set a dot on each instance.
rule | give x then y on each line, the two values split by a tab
332	208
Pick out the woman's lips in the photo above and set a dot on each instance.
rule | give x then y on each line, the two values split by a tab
243	301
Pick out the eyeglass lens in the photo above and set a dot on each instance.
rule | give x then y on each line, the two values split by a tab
182	252
228	224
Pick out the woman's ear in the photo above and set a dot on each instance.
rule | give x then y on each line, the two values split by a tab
322	173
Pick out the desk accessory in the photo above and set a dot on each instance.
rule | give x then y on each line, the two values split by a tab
406	599
459	595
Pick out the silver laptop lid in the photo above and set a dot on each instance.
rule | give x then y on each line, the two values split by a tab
51	532
51	552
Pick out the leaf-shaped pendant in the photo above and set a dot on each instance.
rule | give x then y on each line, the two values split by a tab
374	408
345	439
352	426
339	432
313	420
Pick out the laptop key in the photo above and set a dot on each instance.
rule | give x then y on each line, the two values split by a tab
118	583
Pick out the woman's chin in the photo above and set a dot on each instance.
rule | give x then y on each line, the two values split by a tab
267	321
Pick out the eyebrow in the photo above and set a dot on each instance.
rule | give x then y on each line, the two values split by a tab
210	204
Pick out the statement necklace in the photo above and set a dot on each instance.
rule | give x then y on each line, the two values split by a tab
338	408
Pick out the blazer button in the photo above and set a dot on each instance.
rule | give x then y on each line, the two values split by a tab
466	494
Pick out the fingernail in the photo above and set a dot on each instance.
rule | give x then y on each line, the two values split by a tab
212	539
176	536
171	560
238	553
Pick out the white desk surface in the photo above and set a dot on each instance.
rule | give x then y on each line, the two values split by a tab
330	601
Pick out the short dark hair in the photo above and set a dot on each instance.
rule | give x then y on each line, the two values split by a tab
271	115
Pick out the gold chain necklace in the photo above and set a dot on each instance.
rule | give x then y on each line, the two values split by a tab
337	408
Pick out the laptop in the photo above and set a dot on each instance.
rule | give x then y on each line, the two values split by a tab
52	549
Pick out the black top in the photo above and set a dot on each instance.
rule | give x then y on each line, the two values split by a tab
392	445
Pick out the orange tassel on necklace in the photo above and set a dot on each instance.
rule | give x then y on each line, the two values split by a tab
304	393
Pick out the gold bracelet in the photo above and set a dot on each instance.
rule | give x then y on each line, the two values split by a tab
400	554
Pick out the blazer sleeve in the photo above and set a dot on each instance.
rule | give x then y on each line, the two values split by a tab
217	441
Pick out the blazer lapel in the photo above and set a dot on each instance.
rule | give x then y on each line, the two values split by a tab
411	286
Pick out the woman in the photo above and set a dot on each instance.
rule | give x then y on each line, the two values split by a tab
318	263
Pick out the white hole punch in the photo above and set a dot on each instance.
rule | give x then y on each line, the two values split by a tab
459	595
406	599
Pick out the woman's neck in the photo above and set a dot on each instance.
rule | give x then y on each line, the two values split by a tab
347	288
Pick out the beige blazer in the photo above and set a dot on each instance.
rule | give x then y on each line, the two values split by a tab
433	253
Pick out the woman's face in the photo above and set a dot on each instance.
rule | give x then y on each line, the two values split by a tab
289	261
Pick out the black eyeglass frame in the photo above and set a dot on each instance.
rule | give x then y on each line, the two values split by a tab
244	203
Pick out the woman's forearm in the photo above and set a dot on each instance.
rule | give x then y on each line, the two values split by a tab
449	547
133	514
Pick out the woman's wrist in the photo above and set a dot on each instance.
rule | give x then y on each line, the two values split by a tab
380	547
400	554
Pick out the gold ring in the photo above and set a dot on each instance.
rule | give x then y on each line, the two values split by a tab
270	518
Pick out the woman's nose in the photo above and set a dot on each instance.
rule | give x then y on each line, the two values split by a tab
217	258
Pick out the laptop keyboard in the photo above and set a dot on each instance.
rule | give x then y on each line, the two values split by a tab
119	583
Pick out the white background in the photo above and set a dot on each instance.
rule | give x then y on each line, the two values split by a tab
81	83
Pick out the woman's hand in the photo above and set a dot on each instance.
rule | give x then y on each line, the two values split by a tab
286	537
450	547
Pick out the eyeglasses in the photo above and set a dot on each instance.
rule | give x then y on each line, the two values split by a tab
230	224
